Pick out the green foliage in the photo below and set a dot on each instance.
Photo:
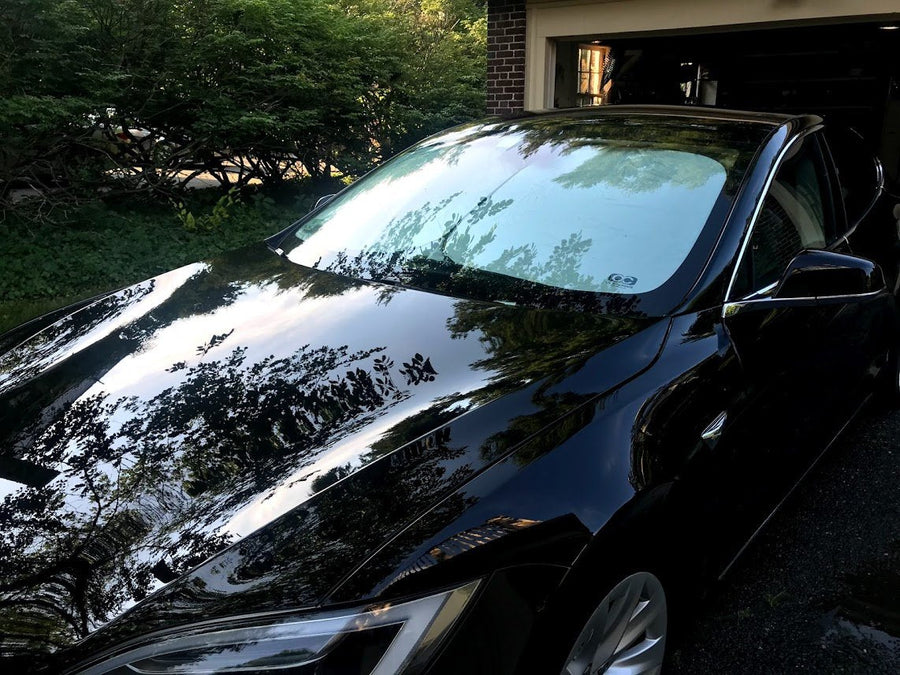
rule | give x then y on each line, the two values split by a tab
100	247
111	102
141	96
438	53
206	222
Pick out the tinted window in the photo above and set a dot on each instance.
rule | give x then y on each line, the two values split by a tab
796	214
857	172
611	207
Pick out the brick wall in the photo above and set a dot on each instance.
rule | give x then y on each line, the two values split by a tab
506	56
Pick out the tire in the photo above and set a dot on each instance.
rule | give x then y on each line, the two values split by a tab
626	633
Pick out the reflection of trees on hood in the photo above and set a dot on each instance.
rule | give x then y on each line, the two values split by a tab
540	347
345	522
144	487
236	424
532	344
100	332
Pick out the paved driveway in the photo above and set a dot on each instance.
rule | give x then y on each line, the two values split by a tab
819	590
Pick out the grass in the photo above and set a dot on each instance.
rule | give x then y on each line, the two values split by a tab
101	247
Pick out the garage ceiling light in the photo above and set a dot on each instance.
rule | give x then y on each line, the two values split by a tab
889	27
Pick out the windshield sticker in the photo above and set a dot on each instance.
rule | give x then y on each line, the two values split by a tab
623	280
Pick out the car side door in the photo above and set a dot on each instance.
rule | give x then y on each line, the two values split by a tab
803	360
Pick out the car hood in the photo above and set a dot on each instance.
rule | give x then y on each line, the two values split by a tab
244	433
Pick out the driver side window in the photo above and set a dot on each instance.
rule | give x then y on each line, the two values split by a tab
796	214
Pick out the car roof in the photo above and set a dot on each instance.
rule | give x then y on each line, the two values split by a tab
676	111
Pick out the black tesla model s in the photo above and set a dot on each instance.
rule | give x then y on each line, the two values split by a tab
501	406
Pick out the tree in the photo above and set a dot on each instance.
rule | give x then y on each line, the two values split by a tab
140	96
439	63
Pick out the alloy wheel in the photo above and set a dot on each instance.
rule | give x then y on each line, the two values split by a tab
626	634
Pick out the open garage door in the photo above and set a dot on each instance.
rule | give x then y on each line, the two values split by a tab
848	72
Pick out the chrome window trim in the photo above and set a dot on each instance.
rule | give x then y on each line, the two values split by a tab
765	291
756	211
732	308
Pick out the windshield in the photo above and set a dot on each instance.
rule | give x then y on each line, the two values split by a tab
511	211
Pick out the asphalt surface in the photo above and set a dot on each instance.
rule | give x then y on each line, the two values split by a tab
819	590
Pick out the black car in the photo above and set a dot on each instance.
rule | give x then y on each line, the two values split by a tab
500	406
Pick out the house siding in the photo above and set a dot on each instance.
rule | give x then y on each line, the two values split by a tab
506	57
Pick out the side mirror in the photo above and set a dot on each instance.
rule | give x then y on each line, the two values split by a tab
824	274
322	201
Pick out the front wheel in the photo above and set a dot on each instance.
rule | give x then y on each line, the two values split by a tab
626	634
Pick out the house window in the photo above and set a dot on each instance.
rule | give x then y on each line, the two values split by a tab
592	80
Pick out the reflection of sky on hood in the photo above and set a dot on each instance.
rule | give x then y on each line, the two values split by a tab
58	349
297	488
260	318
267	320
8	487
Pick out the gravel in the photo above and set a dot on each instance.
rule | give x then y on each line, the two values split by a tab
819	590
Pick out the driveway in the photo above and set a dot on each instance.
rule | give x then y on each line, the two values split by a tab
819	590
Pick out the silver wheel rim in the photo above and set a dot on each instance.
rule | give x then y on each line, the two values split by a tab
626	634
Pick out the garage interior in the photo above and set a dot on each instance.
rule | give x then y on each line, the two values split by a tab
847	72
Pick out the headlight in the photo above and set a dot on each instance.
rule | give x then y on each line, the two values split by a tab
381	640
